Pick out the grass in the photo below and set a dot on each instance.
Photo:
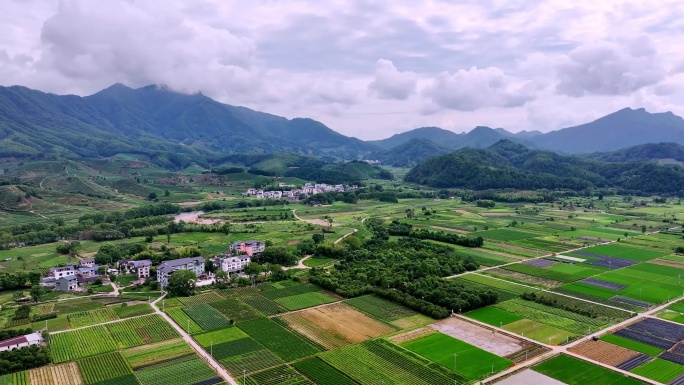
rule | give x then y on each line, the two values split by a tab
573	371
659	370
632	345
279	340
463	358
493	316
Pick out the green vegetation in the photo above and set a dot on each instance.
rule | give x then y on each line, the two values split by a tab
632	345
141	330
279	340
188	369
103	368
493	316
463	358
235	310
322	373
573	371
92	317
207	317
659	370
126	311
183	320
302	301
150	354
80	343
379	308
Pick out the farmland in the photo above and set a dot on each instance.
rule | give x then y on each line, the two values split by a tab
573	371
105	367
279	340
660	370
81	343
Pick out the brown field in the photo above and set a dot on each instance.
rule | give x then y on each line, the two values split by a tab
485	339
335	325
526	278
411	335
604	352
668	263
65	374
411	322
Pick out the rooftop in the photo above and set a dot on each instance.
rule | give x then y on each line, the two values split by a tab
169	265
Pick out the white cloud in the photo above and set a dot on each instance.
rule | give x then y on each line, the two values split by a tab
470	90
606	68
390	83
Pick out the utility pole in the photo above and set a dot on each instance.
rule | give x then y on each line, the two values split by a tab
188	325
211	349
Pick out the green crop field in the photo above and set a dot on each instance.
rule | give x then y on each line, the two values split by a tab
149	354
91	317
543	273
303	301
632	345
279	340
626	252
103	367
19	378
236	310
493	316
141	330
503	235
183	320
253	361
373	363
207	317
573	371
180	371
127	311
76	305
80	343
577	270
539	331
659	370
201	298
380	308
322	373
645	282
289	290
558	318
280	375
262	304
463	358
219	336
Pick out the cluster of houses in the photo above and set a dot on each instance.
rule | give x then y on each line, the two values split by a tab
297	193
233	261
71	276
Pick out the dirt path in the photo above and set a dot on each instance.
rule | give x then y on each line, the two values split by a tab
346	235
210	360
318	222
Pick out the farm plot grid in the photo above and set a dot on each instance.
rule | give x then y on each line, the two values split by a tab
63	374
280	375
80	343
105	367
644	282
141	330
178	371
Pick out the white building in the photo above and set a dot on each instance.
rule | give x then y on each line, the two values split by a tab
164	271
65	271
232	264
21	342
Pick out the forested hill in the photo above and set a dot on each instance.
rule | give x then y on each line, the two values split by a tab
658	152
510	165
410	153
151	120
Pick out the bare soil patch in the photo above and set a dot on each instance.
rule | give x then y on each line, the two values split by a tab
485	339
448	229
665	262
335	325
604	352
527	278
411	335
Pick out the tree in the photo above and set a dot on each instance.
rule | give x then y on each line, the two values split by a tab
643	229
318	238
221	276
152	196
167	193
36	292
253	269
182	283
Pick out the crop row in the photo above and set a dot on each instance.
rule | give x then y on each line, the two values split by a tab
322	373
142	330
92	317
251	362
186	370
81	343
303	301
150	354
103	367
542	273
183	320
279	340
207	317
236	310
546	317
584	307
290	291
19	378
380	308
201	298
280	375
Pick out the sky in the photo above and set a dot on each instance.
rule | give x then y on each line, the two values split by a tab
368	69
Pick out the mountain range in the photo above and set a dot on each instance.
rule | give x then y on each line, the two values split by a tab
176	129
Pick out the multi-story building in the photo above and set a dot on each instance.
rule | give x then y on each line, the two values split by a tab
140	268
167	268
232	264
86	263
64	271
68	283
248	247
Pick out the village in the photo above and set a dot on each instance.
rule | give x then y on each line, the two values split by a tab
74	277
298	193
